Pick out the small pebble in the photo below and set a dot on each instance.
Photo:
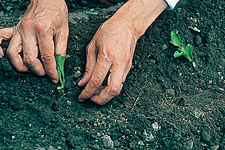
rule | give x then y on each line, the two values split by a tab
132	145
214	44
156	127
197	40
99	134
116	143
170	92
194	28
189	145
77	74
51	148
164	47
95	147
40	148
210	81
16	103
141	143
80	119
220	89
215	147
206	137
148	136
107	141
198	113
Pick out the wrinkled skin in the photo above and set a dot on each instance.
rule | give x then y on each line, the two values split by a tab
111	49
44	27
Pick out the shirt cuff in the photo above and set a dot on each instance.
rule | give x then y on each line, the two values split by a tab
171	3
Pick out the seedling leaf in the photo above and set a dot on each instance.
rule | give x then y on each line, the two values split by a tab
177	54
175	38
189	50
182	51
60	60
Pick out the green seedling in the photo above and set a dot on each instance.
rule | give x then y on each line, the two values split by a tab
60	60
182	51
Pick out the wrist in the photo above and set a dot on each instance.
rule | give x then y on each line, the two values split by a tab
141	13
49	4
52	2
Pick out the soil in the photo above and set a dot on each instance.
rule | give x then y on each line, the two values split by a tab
165	103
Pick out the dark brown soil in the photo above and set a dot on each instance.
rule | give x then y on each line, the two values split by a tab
166	103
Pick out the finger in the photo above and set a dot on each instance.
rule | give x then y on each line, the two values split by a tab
97	92
14	48
114	85
61	39
30	53
46	46
91	61
1	52
99	73
5	34
126	71
129	64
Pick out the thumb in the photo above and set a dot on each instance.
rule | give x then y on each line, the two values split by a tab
5	34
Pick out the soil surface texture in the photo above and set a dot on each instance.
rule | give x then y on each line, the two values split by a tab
165	103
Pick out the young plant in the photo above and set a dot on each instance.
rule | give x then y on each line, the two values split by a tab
60	60
182	51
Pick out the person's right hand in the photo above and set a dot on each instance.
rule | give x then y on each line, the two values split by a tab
44	28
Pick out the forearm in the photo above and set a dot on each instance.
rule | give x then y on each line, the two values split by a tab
60	4
141	13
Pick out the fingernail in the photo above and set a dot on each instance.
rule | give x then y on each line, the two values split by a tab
54	81
80	81
0	56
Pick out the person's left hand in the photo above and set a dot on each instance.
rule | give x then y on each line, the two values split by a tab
110	50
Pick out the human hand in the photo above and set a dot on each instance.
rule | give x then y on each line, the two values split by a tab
44	27
110	50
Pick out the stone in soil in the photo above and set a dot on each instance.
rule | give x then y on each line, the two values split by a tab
170	92
205	135
148	136
107	141
16	102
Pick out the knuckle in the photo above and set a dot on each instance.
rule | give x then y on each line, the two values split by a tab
107	56
26	23
87	94
42	25
10	54
114	90
29	60
96	81
110	54
87	71
126	58
47	58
